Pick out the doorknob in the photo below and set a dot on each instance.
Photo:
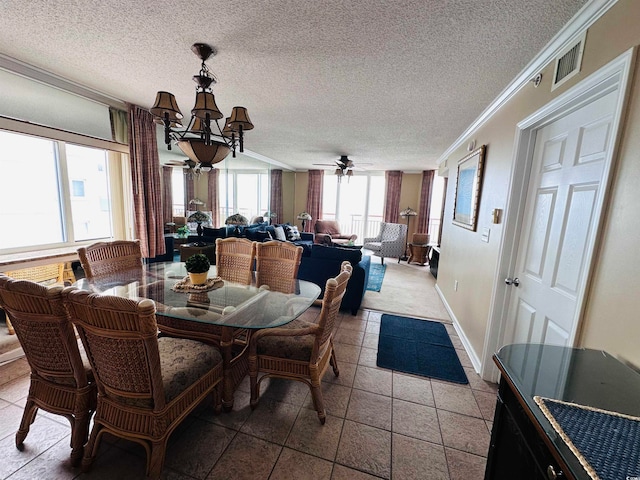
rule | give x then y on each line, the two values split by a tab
512	281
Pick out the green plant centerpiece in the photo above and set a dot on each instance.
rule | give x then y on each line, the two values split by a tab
183	231
197	266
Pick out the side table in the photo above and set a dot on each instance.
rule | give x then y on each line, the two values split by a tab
189	249
418	253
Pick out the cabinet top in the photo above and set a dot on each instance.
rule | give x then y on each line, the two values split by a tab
578	375
586	377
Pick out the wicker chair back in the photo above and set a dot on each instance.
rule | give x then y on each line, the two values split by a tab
277	265
107	258
234	259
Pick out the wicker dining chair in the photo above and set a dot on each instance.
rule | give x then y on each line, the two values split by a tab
277	265
146	385
235	258
300	350
61	380
44	274
107	258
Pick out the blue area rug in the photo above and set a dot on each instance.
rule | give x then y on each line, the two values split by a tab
376	275
420	347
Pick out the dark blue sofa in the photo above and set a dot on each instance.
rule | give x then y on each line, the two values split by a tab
324	263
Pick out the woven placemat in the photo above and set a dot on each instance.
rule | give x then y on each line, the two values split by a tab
185	285
607	444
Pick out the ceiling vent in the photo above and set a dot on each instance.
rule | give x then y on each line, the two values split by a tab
569	61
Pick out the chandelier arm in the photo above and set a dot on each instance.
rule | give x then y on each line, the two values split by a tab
167	130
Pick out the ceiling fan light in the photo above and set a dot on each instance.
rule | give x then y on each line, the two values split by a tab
349	173
166	103
339	172
206	103
240	118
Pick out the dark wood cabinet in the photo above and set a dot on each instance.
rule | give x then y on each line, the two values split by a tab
434	259
524	444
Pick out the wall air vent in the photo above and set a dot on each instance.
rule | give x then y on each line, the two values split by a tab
569	61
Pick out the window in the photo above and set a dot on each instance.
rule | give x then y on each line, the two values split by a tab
38	197
243	192
177	192
356	203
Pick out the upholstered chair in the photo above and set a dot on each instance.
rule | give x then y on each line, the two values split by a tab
277	265
300	350
390	241
234	259
107	258
61	379
328	232
146	385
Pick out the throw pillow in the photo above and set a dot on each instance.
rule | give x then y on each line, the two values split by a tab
291	232
280	235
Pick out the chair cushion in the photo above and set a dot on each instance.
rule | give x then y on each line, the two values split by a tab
291	348
183	362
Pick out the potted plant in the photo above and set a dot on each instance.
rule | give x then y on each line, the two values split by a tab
183	231
198	267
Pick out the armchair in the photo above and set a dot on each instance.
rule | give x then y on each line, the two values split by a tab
328	233
390	242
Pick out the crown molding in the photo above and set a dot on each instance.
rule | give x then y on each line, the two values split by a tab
581	21
33	73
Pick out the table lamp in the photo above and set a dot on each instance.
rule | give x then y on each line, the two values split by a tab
237	220
305	217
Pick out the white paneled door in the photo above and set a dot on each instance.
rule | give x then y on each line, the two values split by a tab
559	225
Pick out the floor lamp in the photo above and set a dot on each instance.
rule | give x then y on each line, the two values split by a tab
407	213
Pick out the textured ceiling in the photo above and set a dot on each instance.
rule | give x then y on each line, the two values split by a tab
389	83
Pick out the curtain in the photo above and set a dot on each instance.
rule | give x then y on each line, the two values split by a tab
189	191
119	128
275	202
392	200
145	176
314	197
425	202
212	197
167	194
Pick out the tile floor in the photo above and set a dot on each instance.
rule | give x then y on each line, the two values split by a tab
380	424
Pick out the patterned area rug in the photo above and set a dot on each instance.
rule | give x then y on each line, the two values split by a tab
376	276
421	347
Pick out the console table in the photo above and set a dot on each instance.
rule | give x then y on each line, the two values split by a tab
524	443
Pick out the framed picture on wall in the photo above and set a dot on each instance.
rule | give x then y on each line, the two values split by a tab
468	187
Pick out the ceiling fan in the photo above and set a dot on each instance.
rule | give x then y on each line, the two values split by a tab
192	167
344	166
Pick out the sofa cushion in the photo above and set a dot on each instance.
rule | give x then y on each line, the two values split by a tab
291	232
352	255
279	233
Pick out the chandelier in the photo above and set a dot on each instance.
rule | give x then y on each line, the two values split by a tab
199	141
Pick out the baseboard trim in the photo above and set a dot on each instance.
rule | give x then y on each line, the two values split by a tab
473	356
11	355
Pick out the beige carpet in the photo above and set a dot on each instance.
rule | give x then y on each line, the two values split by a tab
406	290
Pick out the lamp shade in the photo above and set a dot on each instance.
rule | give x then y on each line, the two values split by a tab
166	103
408	212
206	103
236	219
240	118
304	216
198	151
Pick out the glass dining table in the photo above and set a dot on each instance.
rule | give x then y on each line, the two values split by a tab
223	314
